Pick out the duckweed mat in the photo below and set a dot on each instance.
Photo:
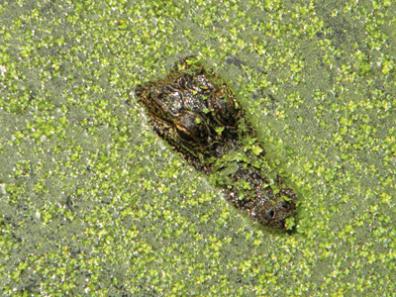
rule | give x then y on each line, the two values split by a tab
92	203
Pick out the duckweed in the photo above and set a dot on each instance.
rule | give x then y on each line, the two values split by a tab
93	204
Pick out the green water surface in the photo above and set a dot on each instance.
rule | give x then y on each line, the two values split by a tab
93	203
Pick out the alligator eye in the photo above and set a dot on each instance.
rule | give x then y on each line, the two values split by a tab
184	133
285	204
270	214
192	127
224	106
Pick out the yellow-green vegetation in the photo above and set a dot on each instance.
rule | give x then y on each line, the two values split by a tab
93	203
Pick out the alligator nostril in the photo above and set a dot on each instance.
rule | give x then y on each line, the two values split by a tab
270	214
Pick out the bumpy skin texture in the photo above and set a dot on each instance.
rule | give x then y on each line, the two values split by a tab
189	111
197	114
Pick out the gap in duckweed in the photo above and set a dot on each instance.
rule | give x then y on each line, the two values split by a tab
197	114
